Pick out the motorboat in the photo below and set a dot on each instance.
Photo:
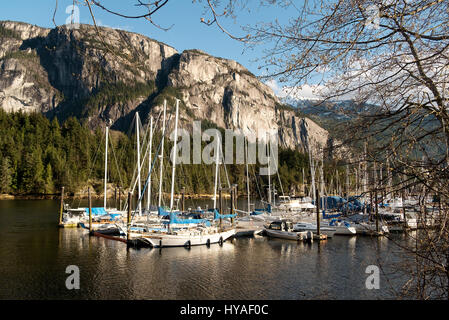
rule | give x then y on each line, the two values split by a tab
342	227
287	203
283	229
306	226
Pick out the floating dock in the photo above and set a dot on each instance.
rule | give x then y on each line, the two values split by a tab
319	237
247	232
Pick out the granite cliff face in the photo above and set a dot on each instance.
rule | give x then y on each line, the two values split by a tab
105	76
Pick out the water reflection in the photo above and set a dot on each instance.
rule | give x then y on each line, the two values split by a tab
37	254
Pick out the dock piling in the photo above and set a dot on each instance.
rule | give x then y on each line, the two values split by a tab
183	191
90	211
120	198
128	226
317	212
220	204
61	207
233	194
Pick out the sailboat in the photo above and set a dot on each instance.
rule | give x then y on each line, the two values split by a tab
101	216
171	233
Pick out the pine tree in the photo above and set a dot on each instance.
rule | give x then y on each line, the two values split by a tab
5	176
49	184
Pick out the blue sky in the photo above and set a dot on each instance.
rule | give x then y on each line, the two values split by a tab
187	31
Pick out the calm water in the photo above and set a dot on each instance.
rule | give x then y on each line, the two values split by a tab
34	254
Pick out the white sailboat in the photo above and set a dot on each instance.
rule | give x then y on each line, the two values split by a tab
100	215
201	233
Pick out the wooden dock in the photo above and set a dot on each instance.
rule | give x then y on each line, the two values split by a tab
68	225
319	237
370	233
247	232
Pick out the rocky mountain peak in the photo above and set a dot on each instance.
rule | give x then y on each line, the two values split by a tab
105	75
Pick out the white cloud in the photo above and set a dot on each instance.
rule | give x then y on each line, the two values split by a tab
304	92
294	94
124	28
273	84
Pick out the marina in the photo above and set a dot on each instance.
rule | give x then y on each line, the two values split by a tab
244	268
224	150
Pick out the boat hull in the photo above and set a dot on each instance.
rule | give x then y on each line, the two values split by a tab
329	232
345	231
184	240
287	235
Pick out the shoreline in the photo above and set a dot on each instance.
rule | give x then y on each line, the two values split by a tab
83	196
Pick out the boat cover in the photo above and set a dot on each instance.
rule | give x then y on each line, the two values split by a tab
174	219
260	211
98	211
217	215
334	202
162	212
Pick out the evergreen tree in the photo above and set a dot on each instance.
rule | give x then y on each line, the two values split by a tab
49	184
5	176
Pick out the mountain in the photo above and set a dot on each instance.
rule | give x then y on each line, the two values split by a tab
333	116
104	75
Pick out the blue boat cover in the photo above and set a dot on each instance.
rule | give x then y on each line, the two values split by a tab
162	212
100	211
330	216
174	219
260	211
352	204
217	215
334	223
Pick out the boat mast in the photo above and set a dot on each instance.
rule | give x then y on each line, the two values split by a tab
269	173
106	167
357	177
312	176
303	189
216	171
321	171
174	157
347	181
149	165
247	175
390	178
365	177
139	184
162	156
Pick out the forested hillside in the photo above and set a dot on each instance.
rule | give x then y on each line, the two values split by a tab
39	155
